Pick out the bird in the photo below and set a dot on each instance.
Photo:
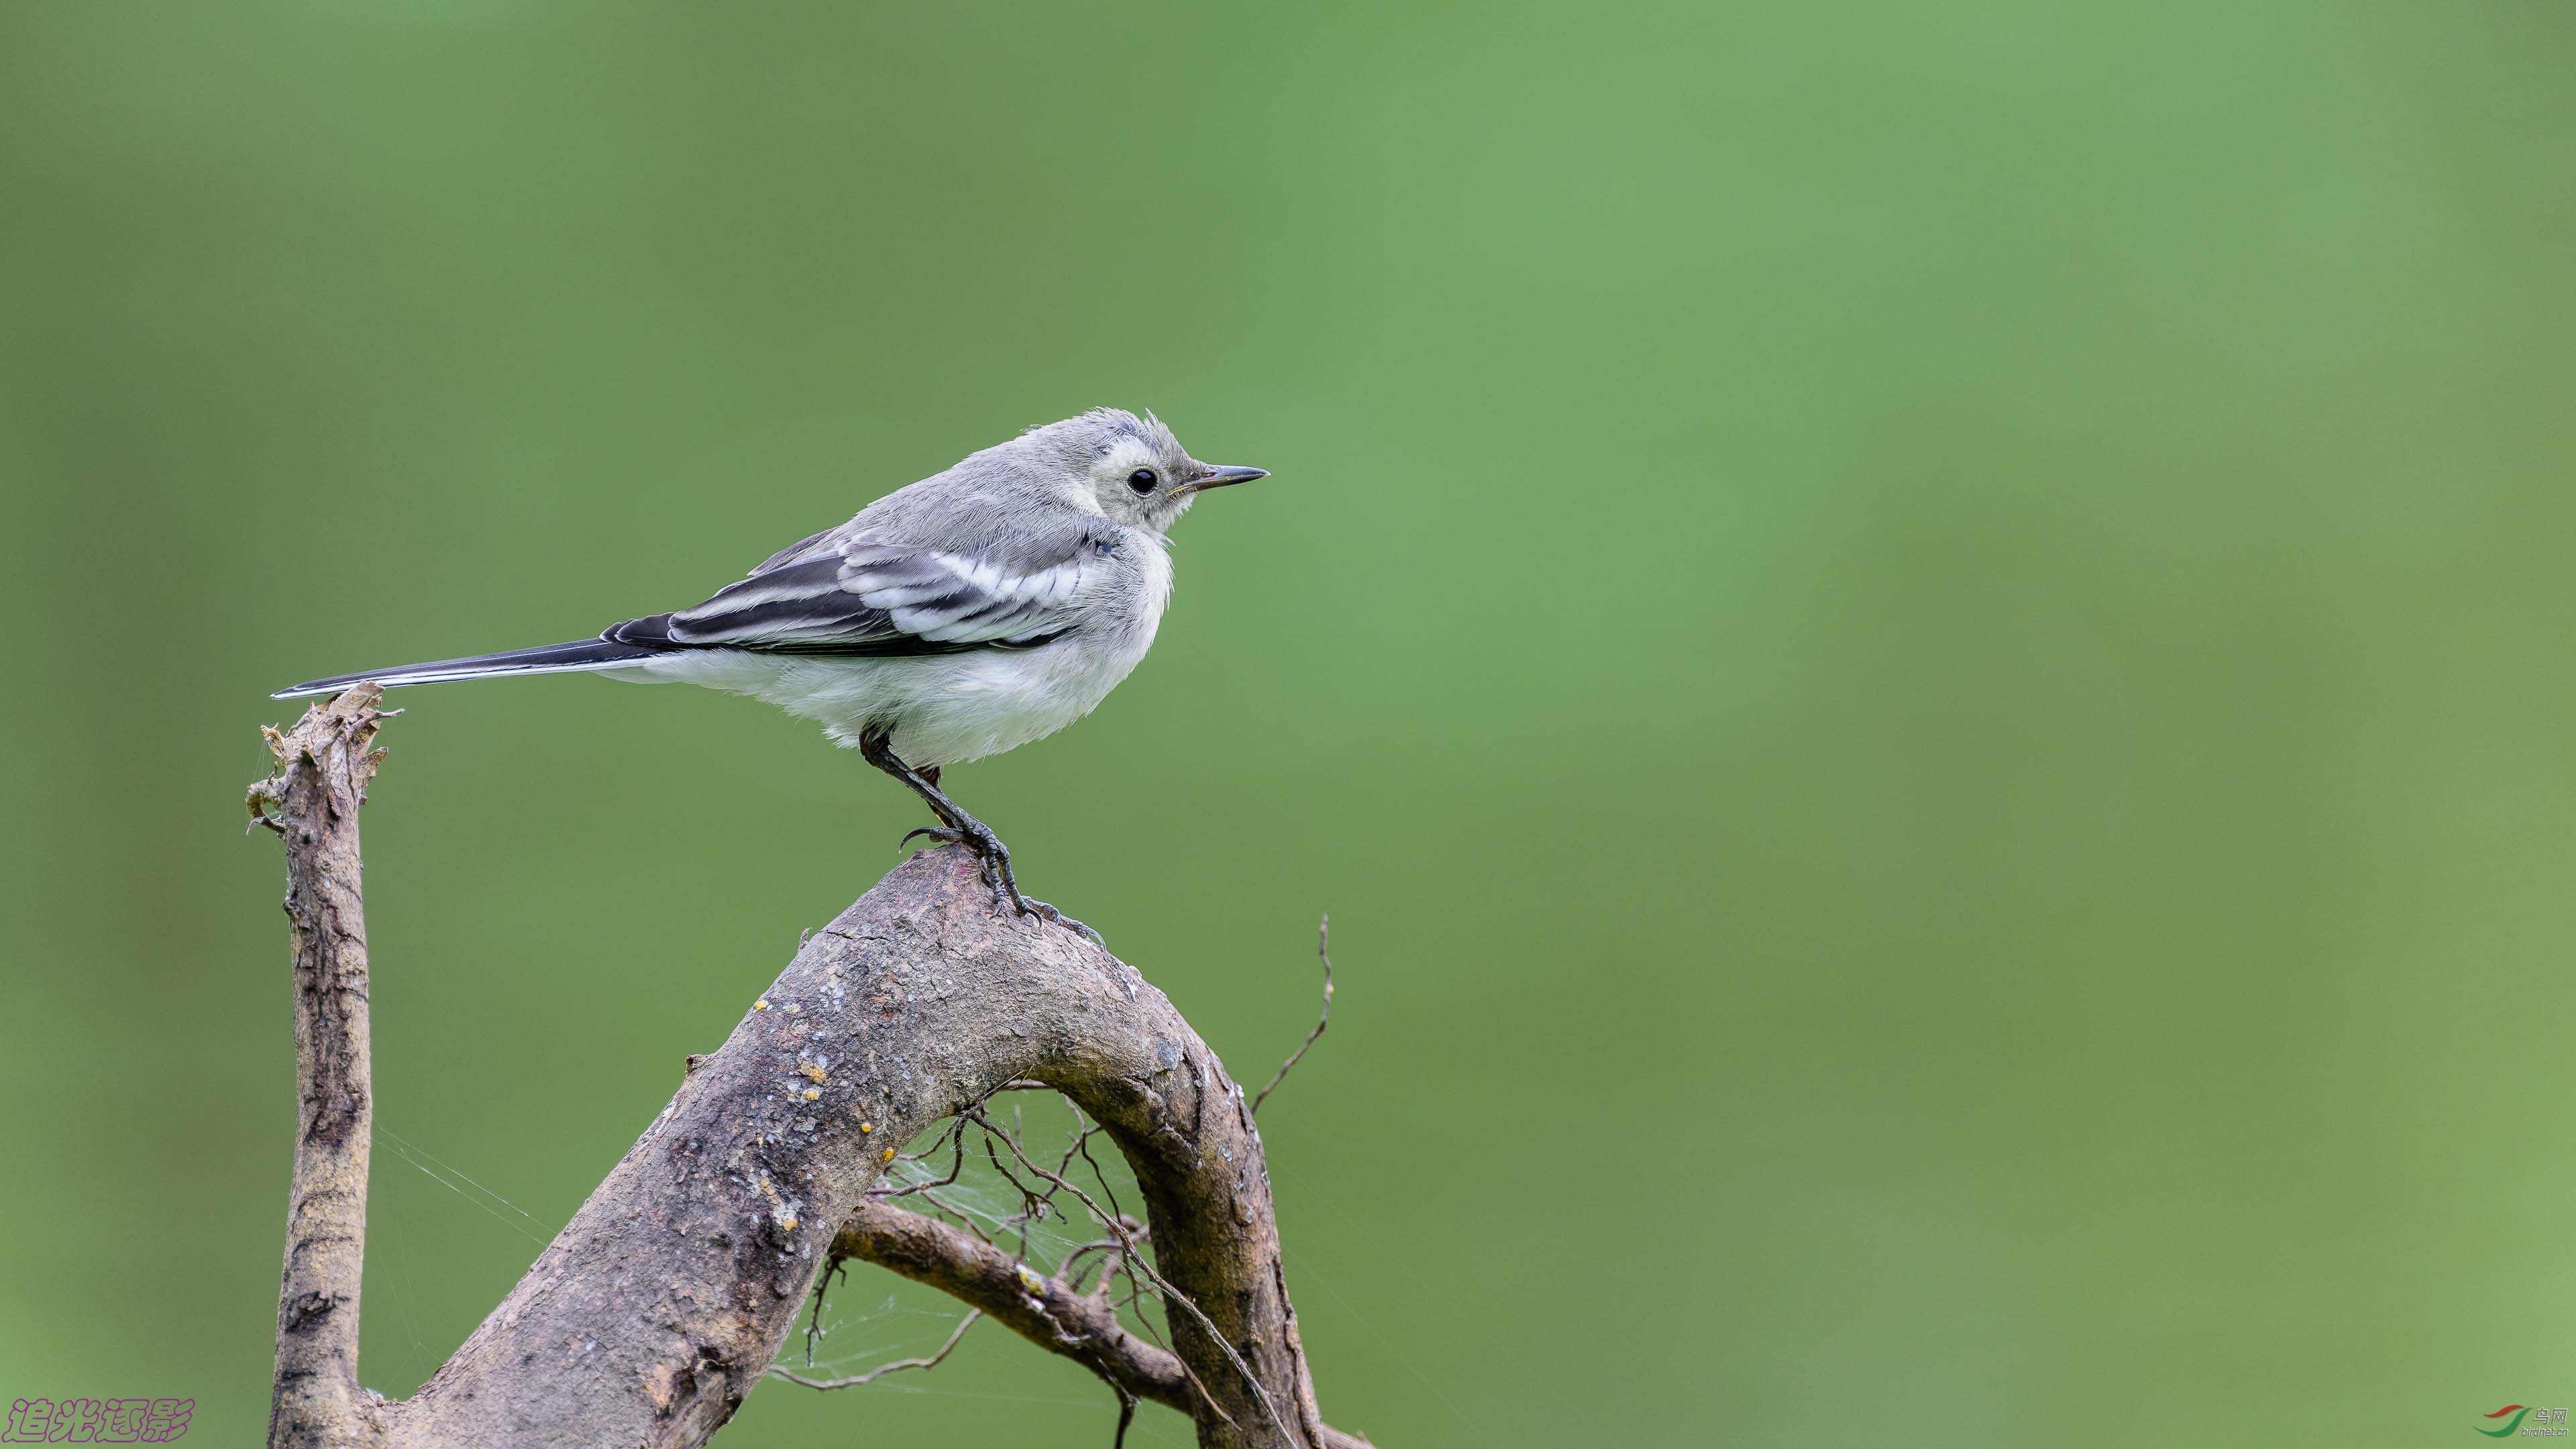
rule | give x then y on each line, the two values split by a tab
983	607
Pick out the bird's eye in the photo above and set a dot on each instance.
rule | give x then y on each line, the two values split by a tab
1142	480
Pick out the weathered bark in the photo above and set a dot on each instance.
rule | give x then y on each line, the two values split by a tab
665	1299
323	767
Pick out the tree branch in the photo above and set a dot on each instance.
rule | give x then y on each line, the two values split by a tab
665	1299
1047	1311
323	767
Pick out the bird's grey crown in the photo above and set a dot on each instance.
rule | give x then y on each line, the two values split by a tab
1080	439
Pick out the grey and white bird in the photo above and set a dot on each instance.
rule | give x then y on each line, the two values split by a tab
967	614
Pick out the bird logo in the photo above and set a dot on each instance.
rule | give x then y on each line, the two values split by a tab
2510	1425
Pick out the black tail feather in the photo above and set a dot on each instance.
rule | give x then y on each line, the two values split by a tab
578	656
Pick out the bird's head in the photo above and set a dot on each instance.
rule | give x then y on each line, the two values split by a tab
1128	468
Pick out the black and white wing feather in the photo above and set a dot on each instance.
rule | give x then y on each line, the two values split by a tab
882	600
855	597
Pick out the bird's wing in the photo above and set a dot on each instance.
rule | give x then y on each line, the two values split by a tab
794	550
878	599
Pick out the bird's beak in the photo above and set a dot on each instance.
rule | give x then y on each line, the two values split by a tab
1216	477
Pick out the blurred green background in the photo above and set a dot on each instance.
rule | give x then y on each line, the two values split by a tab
1921	651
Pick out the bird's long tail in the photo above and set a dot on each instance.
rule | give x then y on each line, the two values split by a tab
581	656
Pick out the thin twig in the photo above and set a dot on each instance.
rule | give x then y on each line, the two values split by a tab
881	1370
1083	1128
833	1266
1032	1206
1126	1414
966	1218
1170	1293
958	1129
1323	953
1071	1267
1100	1177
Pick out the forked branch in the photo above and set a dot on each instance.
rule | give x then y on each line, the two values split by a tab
665	1300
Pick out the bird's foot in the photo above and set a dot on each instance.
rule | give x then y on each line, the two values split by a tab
993	859
1031	906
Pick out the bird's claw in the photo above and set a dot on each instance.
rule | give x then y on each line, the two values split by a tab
1030	906
993	861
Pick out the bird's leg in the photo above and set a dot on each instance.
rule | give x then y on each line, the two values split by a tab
955	827
959	828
